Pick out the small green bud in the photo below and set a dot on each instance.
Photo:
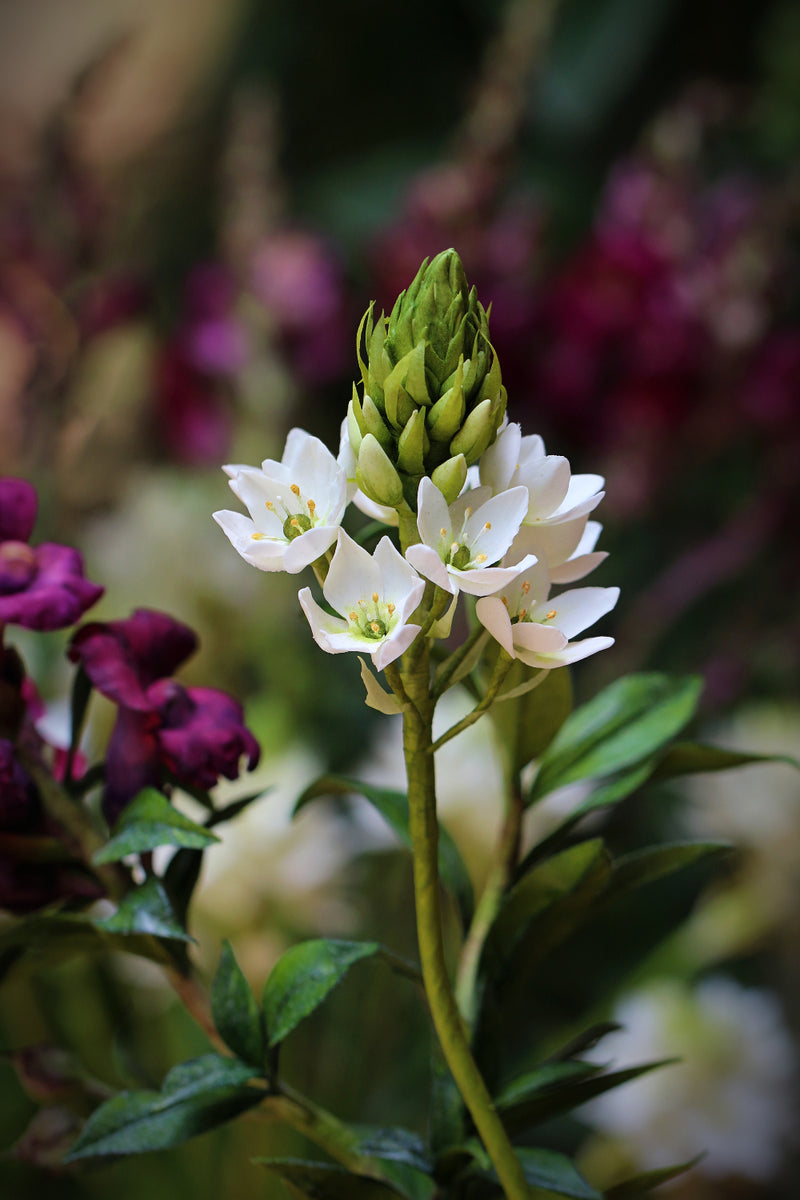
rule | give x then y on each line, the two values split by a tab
413	444
375	423
444	419
477	432
375	474
356	426
450	477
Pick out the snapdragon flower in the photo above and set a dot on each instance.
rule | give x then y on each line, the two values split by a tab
461	542
376	594
295	505
536	629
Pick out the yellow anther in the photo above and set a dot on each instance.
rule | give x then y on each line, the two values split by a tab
553	612
257	537
390	609
526	587
467	513
295	523
443	531
504	601
268	504
311	506
487	526
481	558
375	597
522	614
374	626
353	616
294	488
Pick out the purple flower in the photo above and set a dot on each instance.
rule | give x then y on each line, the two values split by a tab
41	587
195	734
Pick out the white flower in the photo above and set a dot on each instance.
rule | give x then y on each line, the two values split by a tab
537	630
376	595
296	506
567	549
461	542
348	462
731	1097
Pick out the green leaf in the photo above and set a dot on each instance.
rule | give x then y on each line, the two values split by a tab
319	1181
393	807
150	821
693	758
395	1145
146	909
527	725
655	862
640	1185
552	1100
50	936
235	1011
303	977
534	1082
555	1172
195	1097
624	724
546	903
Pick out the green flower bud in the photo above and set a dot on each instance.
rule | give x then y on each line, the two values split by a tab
356	425
375	474
450	477
431	356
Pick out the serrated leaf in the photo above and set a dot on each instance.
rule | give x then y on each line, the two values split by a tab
319	1181
694	758
546	902
624	724
145	909
150	821
234	1009
195	1097
640	1185
303	977
393	807
560	1097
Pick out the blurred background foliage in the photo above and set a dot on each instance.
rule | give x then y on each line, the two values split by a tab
197	201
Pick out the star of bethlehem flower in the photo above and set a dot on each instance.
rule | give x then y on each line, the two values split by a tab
555	523
460	543
375	595
538	630
295	505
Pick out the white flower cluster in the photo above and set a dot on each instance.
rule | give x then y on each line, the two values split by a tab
520	526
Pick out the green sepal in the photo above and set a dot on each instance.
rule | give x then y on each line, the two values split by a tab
150	821
376	475
450	477
146	909
393	807
303	978
477	433
447	414
235	1012
375	424
356	425
196	1096
413	444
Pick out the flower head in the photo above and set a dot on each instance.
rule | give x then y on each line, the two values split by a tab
376	594
41	587
296	506
536	629
462	542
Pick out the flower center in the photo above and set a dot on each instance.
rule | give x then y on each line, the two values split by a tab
460	556
373	618
295	525
17	566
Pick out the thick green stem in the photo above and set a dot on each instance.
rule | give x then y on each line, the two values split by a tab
447	1020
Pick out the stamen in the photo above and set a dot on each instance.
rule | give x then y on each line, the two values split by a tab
487	526
522	614
294	488
311	506
375	597
443	531
504	601
257	537
553	612
375	627
390	609
526	587
353	616
268	504
295	523
480	558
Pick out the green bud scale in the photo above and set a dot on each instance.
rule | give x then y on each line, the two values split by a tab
433	399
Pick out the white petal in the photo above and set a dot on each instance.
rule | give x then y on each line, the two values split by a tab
433	515
370	508
580	608
401	585
547	482
503	514
577	567
352	575
326	630
306	549
493	615
499	462
544	639
377	698
394	645
574	652
484	581
425	560
263	553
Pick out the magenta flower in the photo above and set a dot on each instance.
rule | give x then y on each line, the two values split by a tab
41	587
163	729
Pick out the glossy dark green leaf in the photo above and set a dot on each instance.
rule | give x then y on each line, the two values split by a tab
146	909
539	1080
393	807
180	880
393	1144
52	936
234	1009
195	1097
150	821
562	1096
555	1172
624	724
545	904
640	1185
319	1181
693	758
303	977
527	724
